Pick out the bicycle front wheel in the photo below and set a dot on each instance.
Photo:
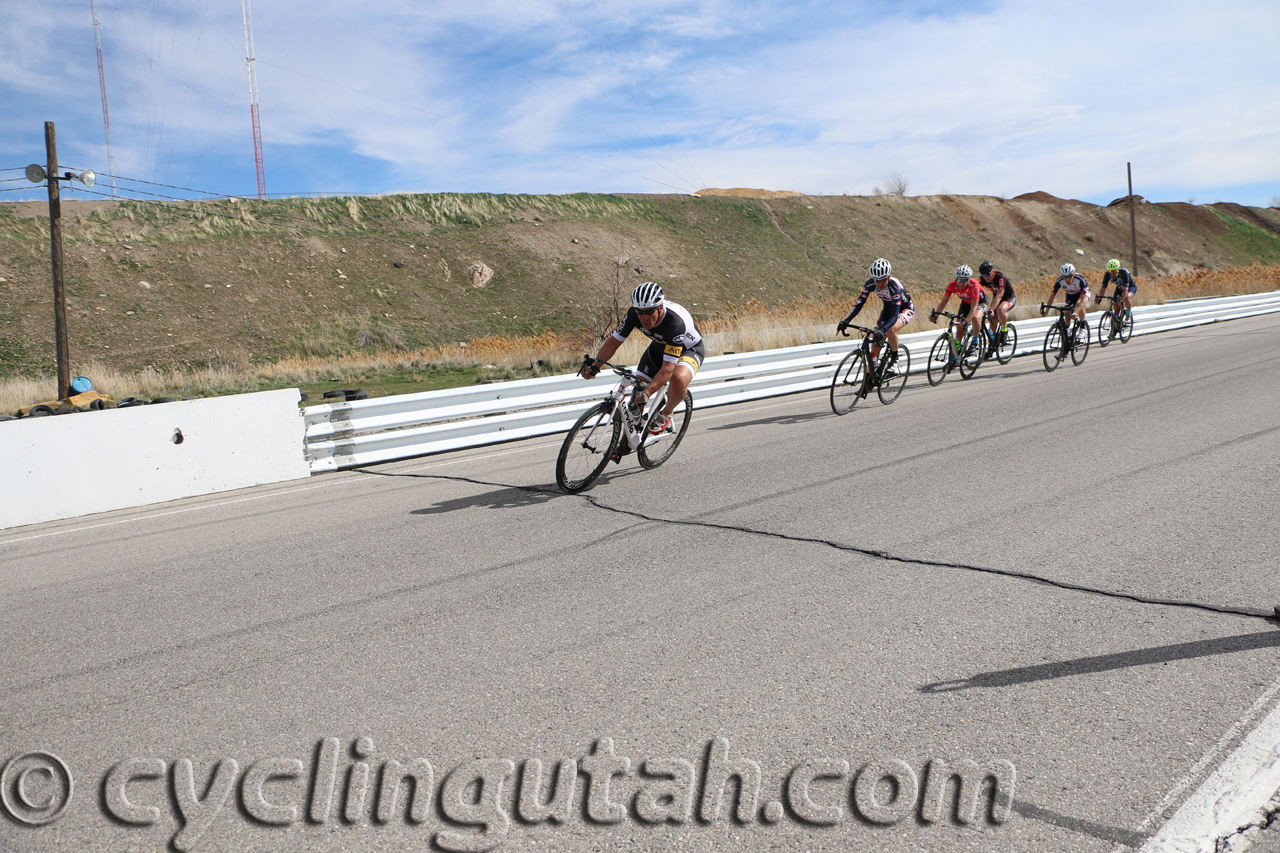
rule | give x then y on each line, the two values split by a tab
895	378
1126	328
939	360
971	356
1080	344
1054	350
1106	327
587	448
658	448
1008	346
846	385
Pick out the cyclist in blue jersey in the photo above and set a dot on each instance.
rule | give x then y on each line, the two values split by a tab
897	312
1075	289
672	359
1124	284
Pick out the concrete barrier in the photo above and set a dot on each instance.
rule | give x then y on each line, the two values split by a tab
72	465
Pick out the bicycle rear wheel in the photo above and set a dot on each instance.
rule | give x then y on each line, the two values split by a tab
658	448
1080	345
1007	347
939	360
971	356
846	385
587	448
1106	327
1053	347
891	386
1126	328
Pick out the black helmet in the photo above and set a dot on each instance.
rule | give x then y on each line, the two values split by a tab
985	267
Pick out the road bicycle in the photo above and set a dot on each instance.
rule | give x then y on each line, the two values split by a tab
1115	322
1059	342
1000	343
617	426
948	353
860	372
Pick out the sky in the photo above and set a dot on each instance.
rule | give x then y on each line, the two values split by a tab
655	96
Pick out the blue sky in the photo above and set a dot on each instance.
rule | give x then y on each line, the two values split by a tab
380	96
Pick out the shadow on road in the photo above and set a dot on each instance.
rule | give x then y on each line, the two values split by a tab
1103	663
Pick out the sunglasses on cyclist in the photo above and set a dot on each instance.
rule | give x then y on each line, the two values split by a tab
645	312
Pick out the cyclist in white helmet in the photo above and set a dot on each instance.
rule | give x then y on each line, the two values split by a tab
1074	287
898	308
674	356
973	301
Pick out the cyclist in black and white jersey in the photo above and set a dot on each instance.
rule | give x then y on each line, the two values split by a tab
897	312
672	359
1074	287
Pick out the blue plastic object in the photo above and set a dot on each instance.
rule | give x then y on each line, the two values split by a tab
81	384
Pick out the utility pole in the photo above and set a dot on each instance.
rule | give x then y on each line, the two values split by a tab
1133	227
35	174
55	252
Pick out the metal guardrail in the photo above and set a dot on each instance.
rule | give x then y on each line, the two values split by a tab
347	435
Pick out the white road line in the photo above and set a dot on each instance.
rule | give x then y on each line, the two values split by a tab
1232	797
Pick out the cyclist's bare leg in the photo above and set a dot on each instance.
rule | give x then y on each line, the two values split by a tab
681	376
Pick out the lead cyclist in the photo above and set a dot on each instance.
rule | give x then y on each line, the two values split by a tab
672	359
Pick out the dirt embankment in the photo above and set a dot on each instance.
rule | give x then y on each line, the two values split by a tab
238	281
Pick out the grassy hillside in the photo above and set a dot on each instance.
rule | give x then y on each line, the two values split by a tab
235	282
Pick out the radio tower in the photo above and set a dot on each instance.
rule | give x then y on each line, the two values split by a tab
102	79
253	99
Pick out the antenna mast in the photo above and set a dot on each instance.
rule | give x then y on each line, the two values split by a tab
253	99
102	79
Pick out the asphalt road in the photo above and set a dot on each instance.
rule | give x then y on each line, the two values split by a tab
1062	577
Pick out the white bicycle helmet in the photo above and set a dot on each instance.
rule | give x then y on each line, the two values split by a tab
648	295
881	269
1068	269
963	273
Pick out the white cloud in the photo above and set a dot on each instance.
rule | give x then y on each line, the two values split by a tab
994	97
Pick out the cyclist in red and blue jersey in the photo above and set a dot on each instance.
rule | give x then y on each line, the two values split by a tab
897	312
1002	298
672	359
973	301
1124	284
1074	286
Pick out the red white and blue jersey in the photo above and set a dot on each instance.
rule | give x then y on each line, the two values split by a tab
890	291
1071	285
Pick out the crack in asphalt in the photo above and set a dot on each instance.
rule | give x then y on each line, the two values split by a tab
874	553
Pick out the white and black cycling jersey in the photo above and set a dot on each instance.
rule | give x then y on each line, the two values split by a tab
676	329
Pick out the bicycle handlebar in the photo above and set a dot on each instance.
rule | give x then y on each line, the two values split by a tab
863	329
589	361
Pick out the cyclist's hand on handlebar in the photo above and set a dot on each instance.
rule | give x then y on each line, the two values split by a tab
843	328
1044	309
589	369
933	316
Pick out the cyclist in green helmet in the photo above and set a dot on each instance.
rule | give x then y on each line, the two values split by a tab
1124	283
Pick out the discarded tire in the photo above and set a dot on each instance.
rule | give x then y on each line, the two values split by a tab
162	400
346	394
40	411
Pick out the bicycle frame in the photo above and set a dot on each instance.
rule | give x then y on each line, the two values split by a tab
633	421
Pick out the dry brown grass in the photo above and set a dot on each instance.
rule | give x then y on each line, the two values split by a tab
749	327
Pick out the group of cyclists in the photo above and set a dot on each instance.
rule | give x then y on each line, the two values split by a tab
677	348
